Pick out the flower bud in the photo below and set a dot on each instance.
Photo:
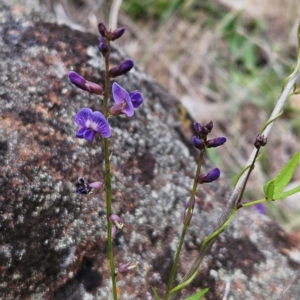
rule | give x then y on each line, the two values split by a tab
216	142
102	29
103	48
260	141
121	69
201	131
116	221
85	85
127	267
198	143
209	177
117	33
209	126
187	204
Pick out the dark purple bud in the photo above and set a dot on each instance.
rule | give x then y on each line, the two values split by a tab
102	29
209	126
83	186
209	177
116	221
117	33
136	98
102	46
127	267
201	131
85	85
260	141
187	204
198	143
216	142
122	69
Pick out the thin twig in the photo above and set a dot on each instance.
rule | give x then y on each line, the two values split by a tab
294	279
113	14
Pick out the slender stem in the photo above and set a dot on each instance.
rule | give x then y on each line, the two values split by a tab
186	223
108	184
255	202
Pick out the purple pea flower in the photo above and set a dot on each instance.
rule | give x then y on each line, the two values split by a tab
83	187
187	204
85	85
90	123
104	49
127	267
121	69
117	33
210	176
116	220
216	142
125	102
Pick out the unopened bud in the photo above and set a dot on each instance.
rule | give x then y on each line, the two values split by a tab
209	177
121	69
260	141
209	126
127	267
216	142
102	29
117	33
104	49
198	143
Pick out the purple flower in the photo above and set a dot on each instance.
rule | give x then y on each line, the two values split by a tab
260	208
102	29
83	187
209	177
187	204
125	102
116	221
114	231
198	143
91	122
216	142
85	85
121	69
126	267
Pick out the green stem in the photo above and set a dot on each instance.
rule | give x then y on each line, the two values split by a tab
255	202
186	223
108	184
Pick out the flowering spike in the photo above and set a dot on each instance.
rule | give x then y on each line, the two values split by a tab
116	221
216	142
260	141
103	46
198	143
127	267
90	123
102	29
187	204
121	69
85	85
117	33
209	177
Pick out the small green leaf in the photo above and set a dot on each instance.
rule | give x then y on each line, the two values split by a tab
269	190
198	295
288	193
155	293
285	175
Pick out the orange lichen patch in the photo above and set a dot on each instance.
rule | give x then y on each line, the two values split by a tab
53	97
118	290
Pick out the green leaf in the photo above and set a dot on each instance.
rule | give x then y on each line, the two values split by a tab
285	175
155	293
269	190
288	193
198	295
